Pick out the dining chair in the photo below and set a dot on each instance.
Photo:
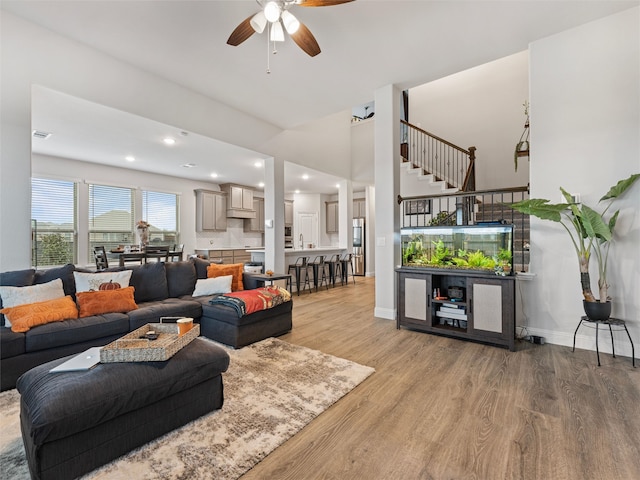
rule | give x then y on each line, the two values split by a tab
134	257
100	256
159	253
176	253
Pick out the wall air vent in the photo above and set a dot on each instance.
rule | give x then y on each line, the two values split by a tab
41	134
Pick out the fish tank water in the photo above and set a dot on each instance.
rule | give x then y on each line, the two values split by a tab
484	247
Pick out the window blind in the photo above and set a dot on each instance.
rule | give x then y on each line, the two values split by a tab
53	222
160	210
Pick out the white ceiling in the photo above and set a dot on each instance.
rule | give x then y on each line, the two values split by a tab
366	44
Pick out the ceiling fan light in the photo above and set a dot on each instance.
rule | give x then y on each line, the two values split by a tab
291	23
277	33
258	22
272	11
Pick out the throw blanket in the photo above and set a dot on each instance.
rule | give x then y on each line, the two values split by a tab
245	302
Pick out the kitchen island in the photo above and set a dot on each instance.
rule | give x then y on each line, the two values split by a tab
292	254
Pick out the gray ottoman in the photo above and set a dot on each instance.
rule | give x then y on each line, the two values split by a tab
74	422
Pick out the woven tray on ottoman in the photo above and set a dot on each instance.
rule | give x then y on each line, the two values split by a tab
74	422
133	347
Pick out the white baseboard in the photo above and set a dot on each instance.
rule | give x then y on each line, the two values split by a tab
388	313
586	339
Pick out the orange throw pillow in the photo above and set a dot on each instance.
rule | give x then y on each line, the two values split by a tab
106	301
28	315
235	269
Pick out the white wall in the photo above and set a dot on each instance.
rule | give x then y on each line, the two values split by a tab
481	107
585	117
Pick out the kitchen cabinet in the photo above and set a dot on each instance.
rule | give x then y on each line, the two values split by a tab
359	208
256	224
465	305
226	255
211	211
332	217
288	213
239	201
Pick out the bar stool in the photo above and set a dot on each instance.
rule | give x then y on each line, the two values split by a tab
347	261
319	272
334	268
302	264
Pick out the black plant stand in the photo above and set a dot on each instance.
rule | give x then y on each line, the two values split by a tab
615	322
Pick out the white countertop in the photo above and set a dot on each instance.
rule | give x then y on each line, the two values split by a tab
213	247
297	251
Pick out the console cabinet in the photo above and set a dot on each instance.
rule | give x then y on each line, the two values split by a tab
466	305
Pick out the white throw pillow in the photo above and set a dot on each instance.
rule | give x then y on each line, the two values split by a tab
14	296
210	286
86	282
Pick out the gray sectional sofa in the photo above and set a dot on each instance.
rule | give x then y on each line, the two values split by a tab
161	289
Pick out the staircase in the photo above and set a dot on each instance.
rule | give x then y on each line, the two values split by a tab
434	157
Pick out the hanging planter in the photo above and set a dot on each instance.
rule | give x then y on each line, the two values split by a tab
522	147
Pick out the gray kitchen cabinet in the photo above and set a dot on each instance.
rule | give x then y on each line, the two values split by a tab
332	217
288	213
211	211
359	208
239	201
256	224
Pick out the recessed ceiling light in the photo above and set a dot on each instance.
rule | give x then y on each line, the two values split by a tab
188	165
214	175
169	141
297	191
258	164
261	184
130	158
337	185
305	177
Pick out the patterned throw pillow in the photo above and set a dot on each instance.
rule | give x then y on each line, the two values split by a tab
235	269
15	296
106	301
28	315
87	282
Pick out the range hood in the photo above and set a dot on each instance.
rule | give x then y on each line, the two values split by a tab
240	213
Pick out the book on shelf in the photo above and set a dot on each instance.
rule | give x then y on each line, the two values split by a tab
457	311
453	305
457	316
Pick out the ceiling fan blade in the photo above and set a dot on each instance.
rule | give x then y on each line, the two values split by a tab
306	41
321	3
242	32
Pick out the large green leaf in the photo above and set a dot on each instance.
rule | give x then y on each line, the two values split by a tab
541	208
620	187
594	225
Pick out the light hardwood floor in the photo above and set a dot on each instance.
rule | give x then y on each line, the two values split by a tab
440	408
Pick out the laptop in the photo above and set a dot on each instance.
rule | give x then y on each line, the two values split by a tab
84	361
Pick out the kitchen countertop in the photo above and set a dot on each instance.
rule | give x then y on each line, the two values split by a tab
213	247
301	250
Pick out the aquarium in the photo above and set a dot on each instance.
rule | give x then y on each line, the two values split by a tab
486	248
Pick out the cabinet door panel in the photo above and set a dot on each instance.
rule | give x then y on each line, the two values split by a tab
208	211
221	213
415	300
487	307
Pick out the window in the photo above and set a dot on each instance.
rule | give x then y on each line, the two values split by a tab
160	210
111	217
53	222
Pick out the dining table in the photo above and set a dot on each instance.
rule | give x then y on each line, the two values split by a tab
143	256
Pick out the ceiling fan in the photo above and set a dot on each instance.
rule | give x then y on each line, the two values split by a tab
275	14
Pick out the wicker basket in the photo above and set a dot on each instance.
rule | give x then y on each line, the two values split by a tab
133	347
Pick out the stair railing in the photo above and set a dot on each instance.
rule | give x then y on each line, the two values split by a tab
435	156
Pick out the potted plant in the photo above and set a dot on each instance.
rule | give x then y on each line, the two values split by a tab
590	231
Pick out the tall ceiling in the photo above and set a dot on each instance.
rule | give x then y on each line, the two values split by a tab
366	44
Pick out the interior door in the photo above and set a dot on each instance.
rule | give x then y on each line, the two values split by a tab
308	227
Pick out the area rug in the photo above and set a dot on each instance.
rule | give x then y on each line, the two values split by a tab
271	391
